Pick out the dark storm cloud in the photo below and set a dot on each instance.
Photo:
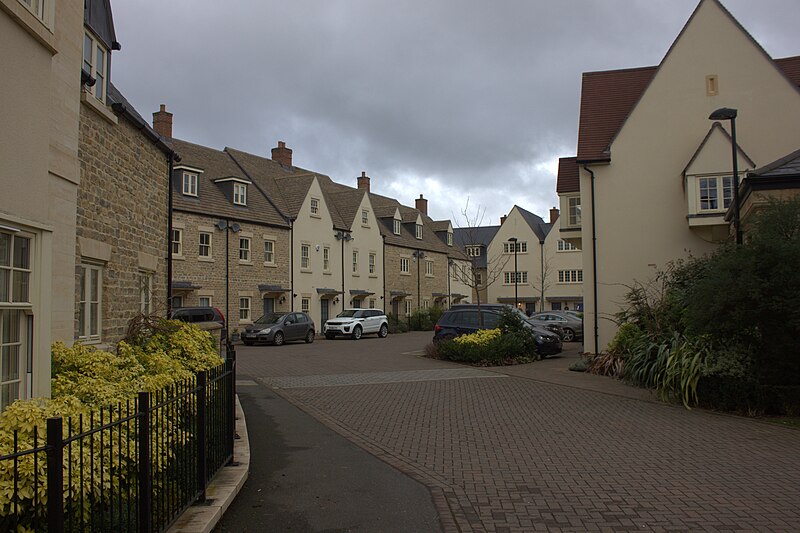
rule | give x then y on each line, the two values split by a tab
453	99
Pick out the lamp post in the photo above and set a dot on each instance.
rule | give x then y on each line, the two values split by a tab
513	241
726	113
227	227
419	255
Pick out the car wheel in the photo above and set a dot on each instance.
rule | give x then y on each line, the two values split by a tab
310	336
330	336
356	333
384	331
248	343
569	335
278	339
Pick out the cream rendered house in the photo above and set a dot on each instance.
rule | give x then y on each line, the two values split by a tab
656	169
562	271
40	47
530	232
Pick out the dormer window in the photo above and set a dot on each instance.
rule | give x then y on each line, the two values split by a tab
418	231
396	227
95	63
449	238
716	193
240	194
190	184
474	251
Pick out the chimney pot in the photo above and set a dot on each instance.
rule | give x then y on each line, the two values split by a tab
282	155
503	219
554	212
363	181
162	122
422	205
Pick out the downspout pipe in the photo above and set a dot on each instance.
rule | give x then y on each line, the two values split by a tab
169	234
541	250
291	263
343	303
594	261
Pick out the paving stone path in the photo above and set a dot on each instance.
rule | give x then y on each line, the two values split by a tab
535	451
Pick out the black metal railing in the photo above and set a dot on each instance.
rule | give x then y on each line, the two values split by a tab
130	467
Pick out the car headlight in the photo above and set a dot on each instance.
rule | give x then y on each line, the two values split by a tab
539	338
265	331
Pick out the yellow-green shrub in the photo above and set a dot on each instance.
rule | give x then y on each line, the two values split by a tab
482	337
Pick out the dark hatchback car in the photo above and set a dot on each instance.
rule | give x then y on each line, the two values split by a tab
572	326
198	314
464	319
277	328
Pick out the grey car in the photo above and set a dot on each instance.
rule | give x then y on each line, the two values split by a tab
572	326
277	328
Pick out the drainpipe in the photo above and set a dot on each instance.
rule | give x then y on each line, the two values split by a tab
171	159
383	268
541	250
291	263
594	262
343	306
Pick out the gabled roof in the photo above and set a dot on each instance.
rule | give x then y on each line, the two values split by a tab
121	106
609	97
97	16
210	196
539	227
407	239
475	236
441	225
347	202
568	175
788	165
715	127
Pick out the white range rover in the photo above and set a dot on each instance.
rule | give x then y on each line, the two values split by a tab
357	322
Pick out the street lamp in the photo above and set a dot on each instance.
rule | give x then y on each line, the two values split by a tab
227	227
419	255
513	241
726	113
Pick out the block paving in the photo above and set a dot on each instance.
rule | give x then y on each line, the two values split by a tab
534	452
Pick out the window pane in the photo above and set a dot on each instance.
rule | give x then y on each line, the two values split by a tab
81	319
8	394
100	66
10	326
5	277
94	285
87	53
93	319
5	249
22	252
21	286
10	363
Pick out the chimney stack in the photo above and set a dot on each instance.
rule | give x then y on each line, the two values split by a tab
282	155
363	181
503	219
553	215
162	122
422	205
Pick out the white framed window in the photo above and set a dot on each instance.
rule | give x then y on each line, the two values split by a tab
145	292
95	62
305	304
449	238
90	312
372	258
326	259
204	301
204	249
177	241
15	268
426	303
404	265
305	259
474	251
244	249
409	307
372	303
428	268
364	217
240	194
37	7
564	246
509	278
521	246
418	231
314	207
396	226
13	335
716	193
478	279
177	302
570	276
244	308
355	261
189	180
574	211
269	252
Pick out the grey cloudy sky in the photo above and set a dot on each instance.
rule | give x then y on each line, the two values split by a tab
454	99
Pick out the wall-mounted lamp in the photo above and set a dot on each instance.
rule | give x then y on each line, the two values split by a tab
336	300
282	299
294	295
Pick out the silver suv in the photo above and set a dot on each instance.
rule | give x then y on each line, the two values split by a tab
357	322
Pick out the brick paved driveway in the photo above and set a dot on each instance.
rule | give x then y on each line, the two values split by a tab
535	447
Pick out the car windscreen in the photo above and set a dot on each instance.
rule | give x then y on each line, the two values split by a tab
348	313
270	318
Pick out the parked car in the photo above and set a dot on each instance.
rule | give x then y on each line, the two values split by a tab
357	322
548	325
277	328
573	327
464	319
198	314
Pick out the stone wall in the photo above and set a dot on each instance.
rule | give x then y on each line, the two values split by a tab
397	281
121	218
244	276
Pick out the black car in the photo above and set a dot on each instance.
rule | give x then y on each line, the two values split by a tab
277	328
198	314
464	319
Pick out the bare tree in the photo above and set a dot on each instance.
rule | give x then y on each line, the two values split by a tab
543	279
471	272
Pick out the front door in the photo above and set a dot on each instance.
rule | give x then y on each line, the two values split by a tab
396	308
269	305
323	311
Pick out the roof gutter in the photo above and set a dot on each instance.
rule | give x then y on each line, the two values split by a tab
594	260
